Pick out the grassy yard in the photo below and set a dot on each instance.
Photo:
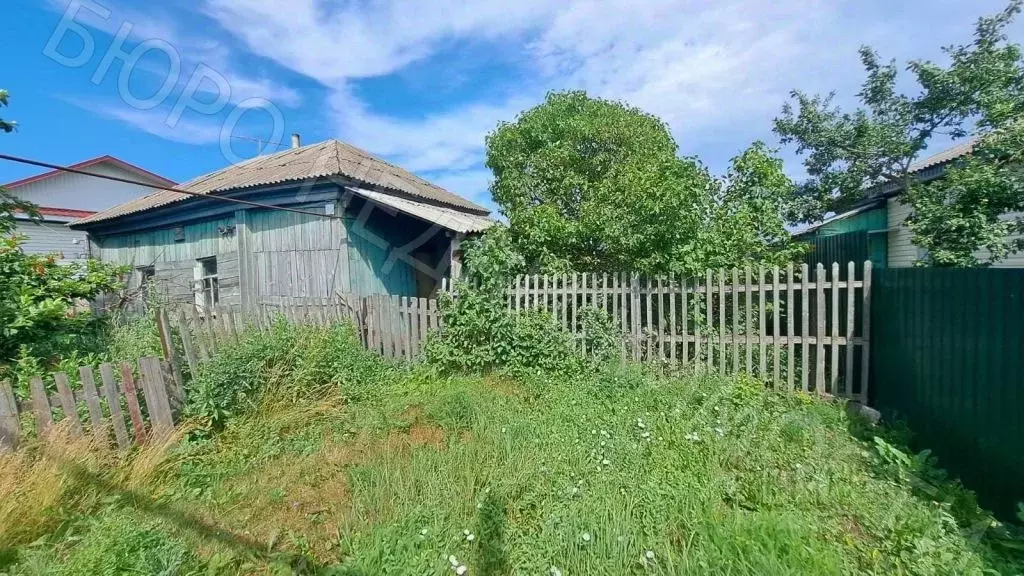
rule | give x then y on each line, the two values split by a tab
368	469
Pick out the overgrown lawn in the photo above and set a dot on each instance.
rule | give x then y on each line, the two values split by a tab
351	466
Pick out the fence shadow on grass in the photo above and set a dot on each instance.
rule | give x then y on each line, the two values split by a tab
241	544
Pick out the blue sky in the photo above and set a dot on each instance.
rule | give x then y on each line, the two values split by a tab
422	83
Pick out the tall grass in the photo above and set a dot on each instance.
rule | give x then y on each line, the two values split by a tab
333	460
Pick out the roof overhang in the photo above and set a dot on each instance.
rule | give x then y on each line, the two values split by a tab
868	205
448	218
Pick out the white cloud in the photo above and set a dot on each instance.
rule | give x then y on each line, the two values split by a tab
446	141
334	42
192	49
695	65
154	122
715	72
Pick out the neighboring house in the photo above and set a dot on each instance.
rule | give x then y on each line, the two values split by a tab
63	197
874	228
368	227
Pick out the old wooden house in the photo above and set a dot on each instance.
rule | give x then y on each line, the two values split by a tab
321	220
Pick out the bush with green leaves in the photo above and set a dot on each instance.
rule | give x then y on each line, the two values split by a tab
481	334
42	310
287	361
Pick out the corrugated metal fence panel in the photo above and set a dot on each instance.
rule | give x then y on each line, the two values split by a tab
847	247
948	357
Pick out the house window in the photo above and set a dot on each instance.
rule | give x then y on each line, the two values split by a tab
207	289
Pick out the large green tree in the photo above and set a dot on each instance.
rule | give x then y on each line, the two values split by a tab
595	185
847	154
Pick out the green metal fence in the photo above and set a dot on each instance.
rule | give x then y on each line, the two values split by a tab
948	357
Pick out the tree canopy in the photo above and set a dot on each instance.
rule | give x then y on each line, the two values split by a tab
847	154
595	185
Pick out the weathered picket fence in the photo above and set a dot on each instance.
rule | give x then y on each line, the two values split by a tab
100	409
394	326
790	327
786	326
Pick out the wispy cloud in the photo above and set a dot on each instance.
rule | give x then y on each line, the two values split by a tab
191	48
187	131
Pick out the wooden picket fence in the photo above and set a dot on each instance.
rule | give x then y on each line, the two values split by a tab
792	328
394	326
786	327
101	409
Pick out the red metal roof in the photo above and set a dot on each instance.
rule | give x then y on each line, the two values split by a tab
160	180
67	212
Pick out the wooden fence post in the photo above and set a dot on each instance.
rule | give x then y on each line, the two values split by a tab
92	401
114	404
866	336
132	400
67	402
791	352
10	424
851	323
163	326
819	357
805	331
634	314
187	344
762	332
834	369
154	388
41	406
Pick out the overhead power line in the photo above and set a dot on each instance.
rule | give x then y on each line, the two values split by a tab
71	170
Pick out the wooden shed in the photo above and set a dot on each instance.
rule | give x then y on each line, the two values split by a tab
322	220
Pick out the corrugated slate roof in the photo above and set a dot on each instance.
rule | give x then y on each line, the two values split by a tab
448	218
321	160
948	155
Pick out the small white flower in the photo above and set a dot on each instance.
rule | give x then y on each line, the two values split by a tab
575	490
649	554
605	462
602	442
586	536
502	429
593	431
423	532
461	570
555	571
470	537
453	560
465	532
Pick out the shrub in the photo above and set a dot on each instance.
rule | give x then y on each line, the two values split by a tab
481	335
291	361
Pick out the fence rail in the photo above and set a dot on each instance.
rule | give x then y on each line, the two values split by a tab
100	409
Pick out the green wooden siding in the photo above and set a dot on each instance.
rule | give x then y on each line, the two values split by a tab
857	238
865	221
296	255
948	357
202	239
371	271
